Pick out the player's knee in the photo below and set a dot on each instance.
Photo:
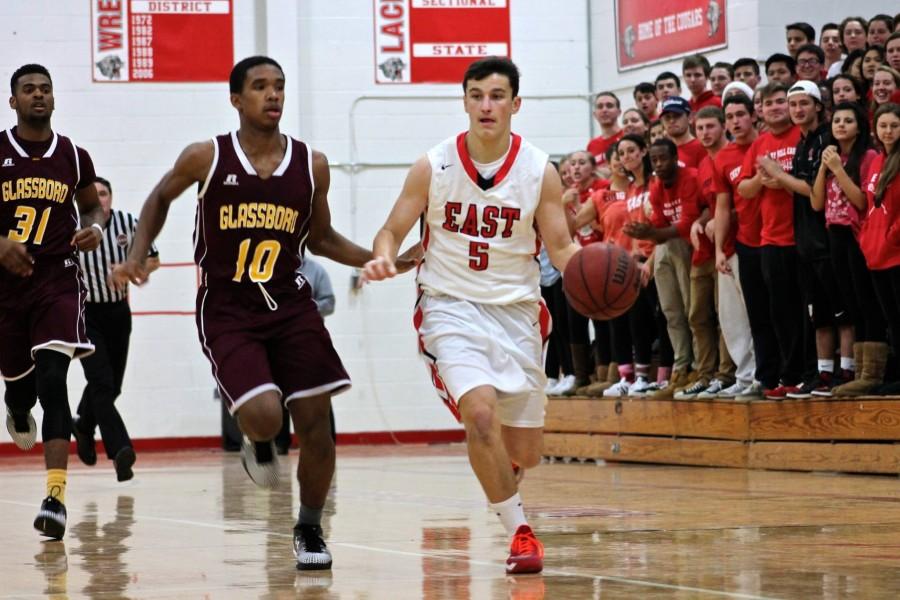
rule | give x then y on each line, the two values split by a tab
527	458
260	417
480	421
50	368
21	394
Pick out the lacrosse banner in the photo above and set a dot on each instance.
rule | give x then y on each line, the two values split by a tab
652	32
161	40
434	41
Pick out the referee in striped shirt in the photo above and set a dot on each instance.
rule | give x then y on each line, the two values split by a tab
108	320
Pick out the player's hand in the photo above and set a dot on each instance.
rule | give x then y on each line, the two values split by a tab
87	239
638	230
379	268
831	158
696	232
410	259
15	258
646	273
711	229
127	272
722	265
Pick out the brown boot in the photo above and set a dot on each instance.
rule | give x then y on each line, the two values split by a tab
679	379
610	376
874	356
598	378
857	359
581	364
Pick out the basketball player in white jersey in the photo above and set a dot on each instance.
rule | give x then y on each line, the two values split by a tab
485	193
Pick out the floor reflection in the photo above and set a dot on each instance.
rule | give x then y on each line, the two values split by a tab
102	549
53	563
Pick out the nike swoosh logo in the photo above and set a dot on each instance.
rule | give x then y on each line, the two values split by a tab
444	167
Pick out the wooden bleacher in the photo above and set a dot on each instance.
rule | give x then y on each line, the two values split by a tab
856	435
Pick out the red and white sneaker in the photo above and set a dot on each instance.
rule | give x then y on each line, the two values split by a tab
526	552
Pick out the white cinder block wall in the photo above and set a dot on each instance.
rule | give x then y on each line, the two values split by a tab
135	131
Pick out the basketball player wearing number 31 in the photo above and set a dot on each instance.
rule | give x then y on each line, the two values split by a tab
262	201
485	194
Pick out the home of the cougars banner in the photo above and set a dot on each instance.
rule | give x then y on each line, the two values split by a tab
433	41
161	40
651	32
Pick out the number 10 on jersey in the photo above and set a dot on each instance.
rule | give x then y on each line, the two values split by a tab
262	265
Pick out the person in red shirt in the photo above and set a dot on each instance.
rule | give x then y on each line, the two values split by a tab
606	111
667	85
676	113
779	253
810	63
695	70
746	70
838	191
749	336
720	76
708	344
673	196
646	101
879	237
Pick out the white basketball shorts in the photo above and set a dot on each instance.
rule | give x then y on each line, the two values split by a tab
467	344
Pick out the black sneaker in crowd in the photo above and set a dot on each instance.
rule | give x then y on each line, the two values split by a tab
845	377
822	383
309	548
51	519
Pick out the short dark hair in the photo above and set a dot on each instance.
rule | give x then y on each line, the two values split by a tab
104	181
611	95
696	60
739	99
667	75
778	57
239	71
489	65
644	87
772	88
806	28
813	48
27	70
667	144
828	26
724	65
747	62
710	112
886	19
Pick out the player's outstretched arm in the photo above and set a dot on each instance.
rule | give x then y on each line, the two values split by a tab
191	167
323	239
90	213
407	209
551	221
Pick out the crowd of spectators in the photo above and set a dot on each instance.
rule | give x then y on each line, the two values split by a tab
763	207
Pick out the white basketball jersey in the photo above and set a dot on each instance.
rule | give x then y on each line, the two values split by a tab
480	238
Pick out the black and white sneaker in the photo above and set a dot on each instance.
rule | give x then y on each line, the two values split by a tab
822	382
260	463
309	548
51	519
22	429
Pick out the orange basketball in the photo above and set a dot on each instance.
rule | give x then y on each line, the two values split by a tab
602	281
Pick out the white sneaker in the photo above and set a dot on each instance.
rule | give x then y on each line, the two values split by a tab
25	435
754	391
640	386
712	390
617	390
732	390
552	382
566	384
263	474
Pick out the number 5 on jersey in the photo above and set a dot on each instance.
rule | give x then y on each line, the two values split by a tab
263	263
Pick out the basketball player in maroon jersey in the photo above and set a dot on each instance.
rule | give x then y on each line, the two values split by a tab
47	183
263	200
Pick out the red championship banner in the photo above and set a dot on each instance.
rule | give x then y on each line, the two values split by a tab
433	41
652	32
161	40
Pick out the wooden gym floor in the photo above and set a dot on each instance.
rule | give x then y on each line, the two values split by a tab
411	522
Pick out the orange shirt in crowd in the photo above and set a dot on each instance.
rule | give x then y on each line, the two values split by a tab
776	206
637	201
612	214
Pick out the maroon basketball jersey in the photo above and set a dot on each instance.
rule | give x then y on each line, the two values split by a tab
249	231
37	183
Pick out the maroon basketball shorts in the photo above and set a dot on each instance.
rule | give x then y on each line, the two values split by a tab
41	311
253	349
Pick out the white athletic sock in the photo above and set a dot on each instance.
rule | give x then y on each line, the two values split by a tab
511	513
848	363
826	365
